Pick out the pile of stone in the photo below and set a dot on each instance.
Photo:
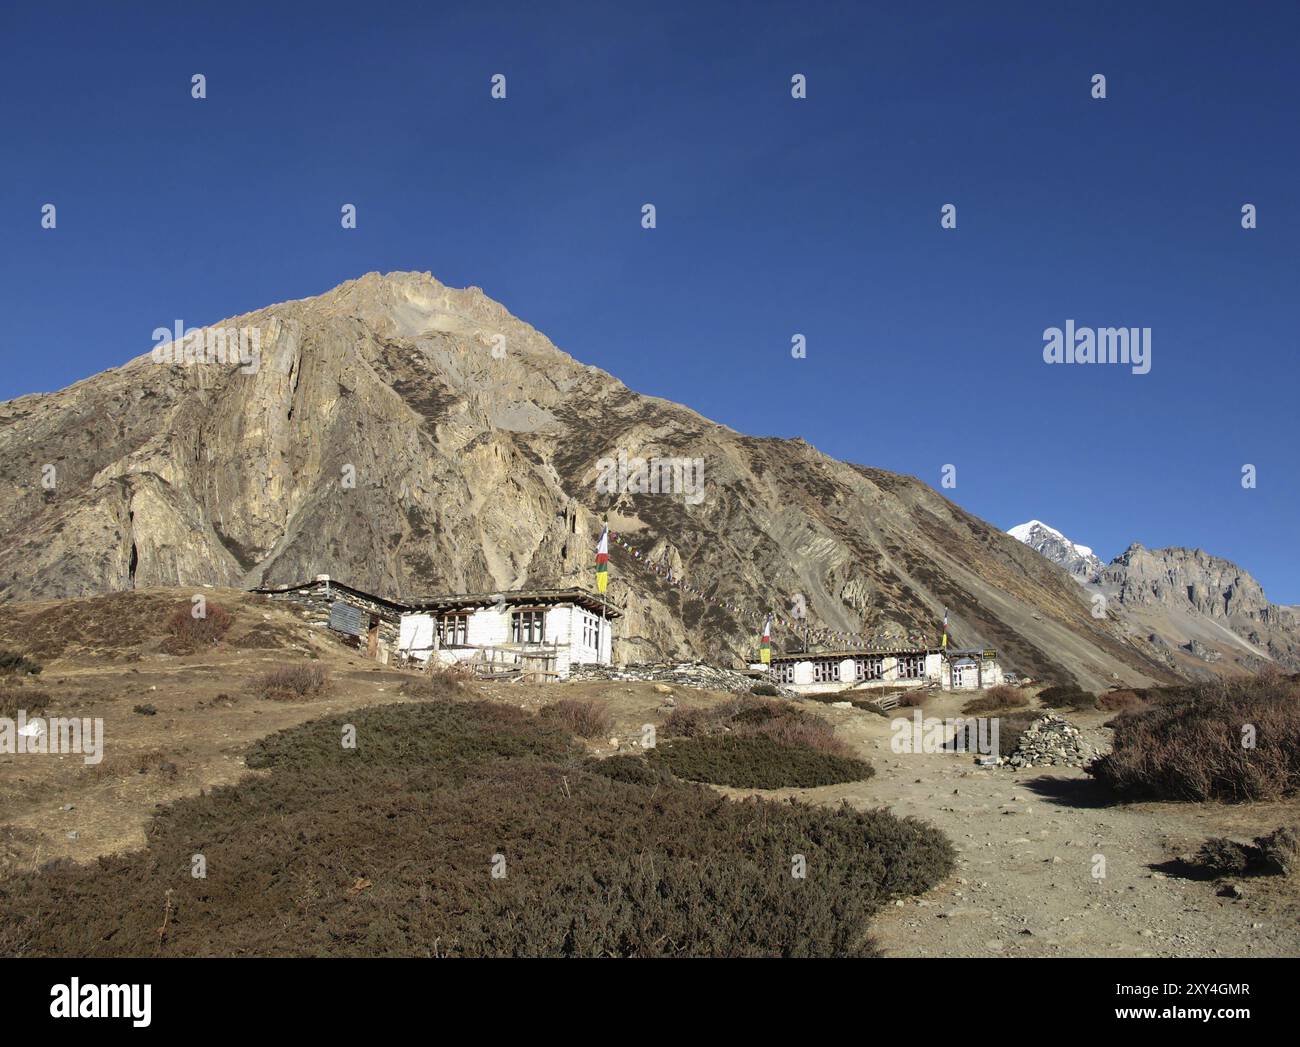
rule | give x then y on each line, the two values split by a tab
1051	741
683	674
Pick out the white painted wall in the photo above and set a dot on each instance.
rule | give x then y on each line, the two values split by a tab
415	635
487	627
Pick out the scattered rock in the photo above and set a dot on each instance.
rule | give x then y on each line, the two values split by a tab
682	674
1051	741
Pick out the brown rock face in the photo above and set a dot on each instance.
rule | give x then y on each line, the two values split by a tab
411	438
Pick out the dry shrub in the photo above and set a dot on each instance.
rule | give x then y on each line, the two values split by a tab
688	723
1119	700
1190	744
597	867
1224	857
187	633
1273	854
1003	696
914	699
1279	850
1067	696
13	662
586	719
443	681
293	683
14	698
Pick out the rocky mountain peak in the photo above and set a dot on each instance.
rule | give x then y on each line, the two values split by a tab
1079	560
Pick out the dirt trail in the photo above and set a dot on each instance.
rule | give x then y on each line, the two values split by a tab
1029	841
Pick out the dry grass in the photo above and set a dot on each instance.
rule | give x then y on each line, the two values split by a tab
451	681
186	633
122	766
109	626
997	699
13	699
586	719
293	683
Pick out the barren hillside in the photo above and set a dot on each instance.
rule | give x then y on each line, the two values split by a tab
411	438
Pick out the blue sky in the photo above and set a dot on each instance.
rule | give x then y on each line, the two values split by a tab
775	217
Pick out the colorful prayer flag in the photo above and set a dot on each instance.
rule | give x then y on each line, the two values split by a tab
602	561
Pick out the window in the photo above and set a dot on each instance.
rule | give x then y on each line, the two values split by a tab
911	667
868	668
784	672
826	670
527	626
453	629
591	631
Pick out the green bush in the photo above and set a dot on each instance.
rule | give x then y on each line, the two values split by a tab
388	850
634	769
781	721
757	761
416	735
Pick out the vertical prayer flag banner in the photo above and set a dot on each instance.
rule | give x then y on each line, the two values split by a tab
602	561
944	641
765	649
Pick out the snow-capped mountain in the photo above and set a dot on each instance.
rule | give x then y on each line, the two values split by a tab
1077	559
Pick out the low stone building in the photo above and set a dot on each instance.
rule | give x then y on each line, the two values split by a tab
363	620
540	631
536	632
820	672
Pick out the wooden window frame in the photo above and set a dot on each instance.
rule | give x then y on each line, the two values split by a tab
459	628
533	615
